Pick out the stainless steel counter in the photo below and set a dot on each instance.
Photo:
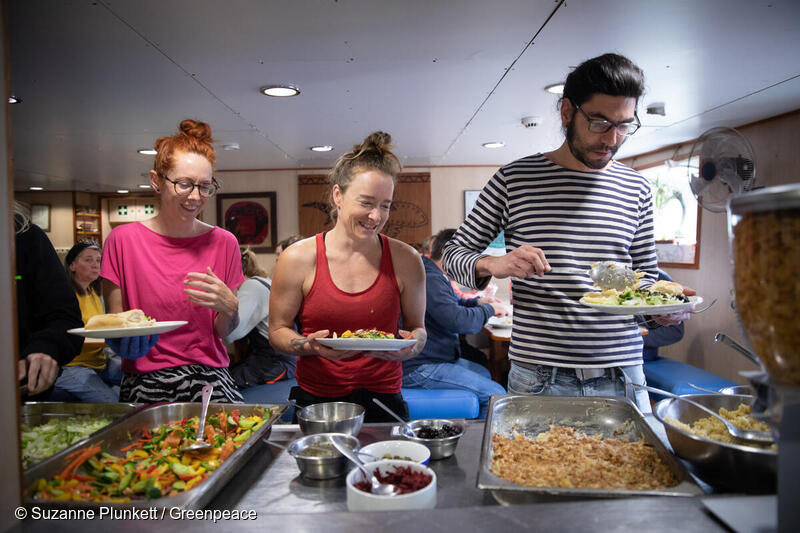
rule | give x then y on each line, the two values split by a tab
271	480
269	484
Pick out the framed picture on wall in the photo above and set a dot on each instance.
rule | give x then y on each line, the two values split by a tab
251	217
40	215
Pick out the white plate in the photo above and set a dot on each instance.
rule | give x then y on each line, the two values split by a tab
500	322
645	309
375	345
116	333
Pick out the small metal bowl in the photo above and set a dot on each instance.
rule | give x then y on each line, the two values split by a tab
321	466
729	466
331	417
440	448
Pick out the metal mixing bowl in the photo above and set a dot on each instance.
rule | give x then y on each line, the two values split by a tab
440	448
729	466
746	390
321	467
331	417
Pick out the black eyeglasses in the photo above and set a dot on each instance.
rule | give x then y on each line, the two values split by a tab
185	187
601	125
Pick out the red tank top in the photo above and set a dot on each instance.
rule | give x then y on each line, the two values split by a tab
328	307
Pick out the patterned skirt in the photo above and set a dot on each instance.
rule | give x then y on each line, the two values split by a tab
179	384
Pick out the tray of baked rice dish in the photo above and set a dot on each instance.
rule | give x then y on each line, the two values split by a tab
140	461
541	447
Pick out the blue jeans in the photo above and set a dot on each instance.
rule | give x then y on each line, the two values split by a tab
462	374
86	384
540	379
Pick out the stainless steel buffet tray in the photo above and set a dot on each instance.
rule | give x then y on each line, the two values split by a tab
609	417
127	430
37	413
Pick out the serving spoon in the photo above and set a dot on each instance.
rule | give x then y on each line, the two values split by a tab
396	417
381	489
199	444
763	437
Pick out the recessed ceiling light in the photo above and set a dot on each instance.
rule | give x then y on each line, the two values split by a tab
36	188
323	148
144	186
123	191
280	90
147	151
14	99
494	144
556	88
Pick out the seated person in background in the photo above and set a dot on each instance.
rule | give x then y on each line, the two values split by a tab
439	365
260	362
285	243
658	335
46	309
427	243
91	376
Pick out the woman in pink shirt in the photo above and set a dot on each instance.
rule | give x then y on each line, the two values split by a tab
175	267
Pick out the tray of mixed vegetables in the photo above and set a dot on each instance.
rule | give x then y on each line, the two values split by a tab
139	461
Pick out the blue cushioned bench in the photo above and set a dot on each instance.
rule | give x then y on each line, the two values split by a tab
675	376
421	403
441	403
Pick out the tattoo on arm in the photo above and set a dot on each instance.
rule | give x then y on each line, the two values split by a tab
298	343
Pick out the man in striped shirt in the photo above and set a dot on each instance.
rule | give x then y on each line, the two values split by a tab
561	212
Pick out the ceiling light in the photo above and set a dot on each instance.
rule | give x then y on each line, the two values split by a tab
144	186
14	99
36	188
556	88
494	144
147	151
230	147
280	90
323	148
123	191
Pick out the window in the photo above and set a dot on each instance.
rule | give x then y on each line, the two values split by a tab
676	214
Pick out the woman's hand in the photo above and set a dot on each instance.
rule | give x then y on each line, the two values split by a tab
41	369
132	347
408	352
207	290
309	345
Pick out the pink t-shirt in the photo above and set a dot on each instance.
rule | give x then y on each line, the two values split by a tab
150	269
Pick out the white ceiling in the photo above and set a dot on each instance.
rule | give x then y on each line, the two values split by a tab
100	79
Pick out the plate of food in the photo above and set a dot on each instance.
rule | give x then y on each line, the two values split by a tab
500	321
366	339
661	298
132	323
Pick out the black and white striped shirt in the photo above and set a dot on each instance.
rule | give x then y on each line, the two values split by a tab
576	218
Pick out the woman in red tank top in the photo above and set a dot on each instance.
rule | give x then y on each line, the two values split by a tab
351	277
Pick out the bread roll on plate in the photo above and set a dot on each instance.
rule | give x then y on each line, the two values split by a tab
667	287
134	318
